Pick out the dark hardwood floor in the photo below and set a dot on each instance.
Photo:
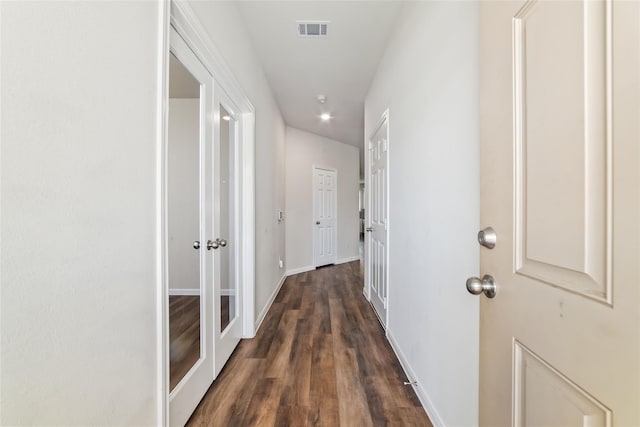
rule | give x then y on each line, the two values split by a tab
320	358
184	336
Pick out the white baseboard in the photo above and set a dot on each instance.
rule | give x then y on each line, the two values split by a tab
185	292
350	259
427	404
300	270
265	310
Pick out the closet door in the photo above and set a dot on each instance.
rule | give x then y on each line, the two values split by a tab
227	298
188	228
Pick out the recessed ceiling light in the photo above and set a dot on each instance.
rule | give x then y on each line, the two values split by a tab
325	117
226	118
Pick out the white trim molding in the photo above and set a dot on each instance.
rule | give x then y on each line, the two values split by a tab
426	401
269	303
349	259
184	292
300	270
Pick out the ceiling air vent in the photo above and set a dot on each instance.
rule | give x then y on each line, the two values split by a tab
312	28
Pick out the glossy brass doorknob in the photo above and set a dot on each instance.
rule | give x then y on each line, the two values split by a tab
212	245
477	286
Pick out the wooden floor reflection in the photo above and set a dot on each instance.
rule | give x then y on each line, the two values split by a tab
184	336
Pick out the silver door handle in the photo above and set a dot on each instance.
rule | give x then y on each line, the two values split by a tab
196	244
317	222
487	238
369	229
212	245
477	286
221	242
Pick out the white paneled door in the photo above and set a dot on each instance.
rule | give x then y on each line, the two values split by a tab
560	162
377	252
324	213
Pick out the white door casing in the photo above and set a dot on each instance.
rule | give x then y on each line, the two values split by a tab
325	236
560	162
376	234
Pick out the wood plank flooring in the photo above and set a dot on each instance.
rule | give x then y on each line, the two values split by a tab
184	336
319	359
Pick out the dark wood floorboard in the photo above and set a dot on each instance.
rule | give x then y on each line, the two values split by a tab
225	313
319	359
184	336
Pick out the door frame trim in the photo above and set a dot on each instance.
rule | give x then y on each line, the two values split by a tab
181	17
384	118
315	167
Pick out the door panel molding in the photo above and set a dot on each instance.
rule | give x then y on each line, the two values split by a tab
535	380
582	114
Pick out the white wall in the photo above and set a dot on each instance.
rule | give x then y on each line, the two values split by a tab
305	150
428	78
226	28
78	236
183	201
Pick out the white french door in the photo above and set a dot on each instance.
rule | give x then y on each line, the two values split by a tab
325	216
189	209
226	181
205	308
377	213
560	162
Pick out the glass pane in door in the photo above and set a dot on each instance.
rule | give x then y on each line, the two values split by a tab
228	287
183	221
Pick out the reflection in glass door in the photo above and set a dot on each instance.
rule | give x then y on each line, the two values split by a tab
183	216
228	291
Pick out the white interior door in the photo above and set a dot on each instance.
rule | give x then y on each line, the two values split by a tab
376	231
227	299
324	212
188	207
560	162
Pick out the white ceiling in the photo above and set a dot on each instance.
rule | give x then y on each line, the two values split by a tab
340	66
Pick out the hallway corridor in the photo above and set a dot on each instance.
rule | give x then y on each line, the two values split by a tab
320	358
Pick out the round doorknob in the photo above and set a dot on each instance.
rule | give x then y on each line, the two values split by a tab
196	244
222	242
317	222
477	286
212	244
